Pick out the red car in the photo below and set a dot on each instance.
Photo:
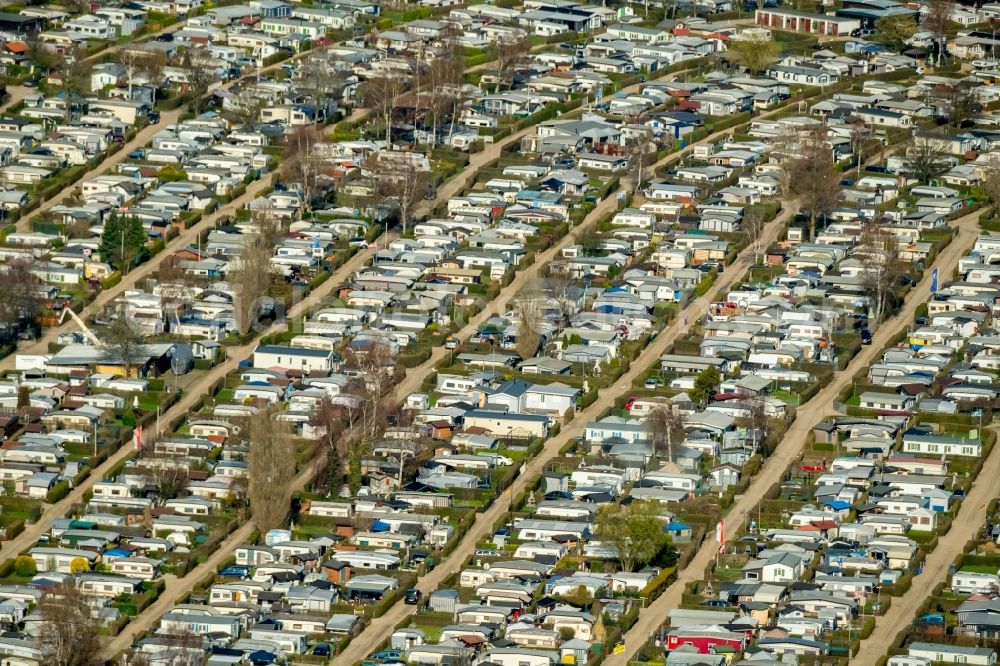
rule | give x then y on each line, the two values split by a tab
630	402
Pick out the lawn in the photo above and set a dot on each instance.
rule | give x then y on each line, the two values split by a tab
788	397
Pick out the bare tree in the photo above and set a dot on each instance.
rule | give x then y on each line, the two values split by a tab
937	20
401	180
303	163
754	419
75	77
666	429
445	76
510	55
565	289
814	181
22	300
40	54
962	102
331	422
752	225
927	156
270	469
174	286
528	309
859	137
252	276
123	341
153	66
131	62
245	106
990	184
642	152
200	72
379	94
70	632
375	364
320	80
186	648
163	471
881	270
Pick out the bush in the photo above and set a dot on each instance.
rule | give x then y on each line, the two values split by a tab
58	492
705	284
6	569
25	567
112	280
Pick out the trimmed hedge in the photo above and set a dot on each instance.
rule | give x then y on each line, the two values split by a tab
58	492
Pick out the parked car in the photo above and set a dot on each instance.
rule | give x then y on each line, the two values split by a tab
866	336
385	655
715	603
240	570
412	596
321	650
652	383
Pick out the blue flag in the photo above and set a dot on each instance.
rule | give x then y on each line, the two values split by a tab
934	281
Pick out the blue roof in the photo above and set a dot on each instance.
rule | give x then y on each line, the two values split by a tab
117	552
674	526
837	504
379	526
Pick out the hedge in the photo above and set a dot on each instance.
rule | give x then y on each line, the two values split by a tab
705	284
112	280
58	492
659	583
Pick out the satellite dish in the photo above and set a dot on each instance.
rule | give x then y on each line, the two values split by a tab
182	360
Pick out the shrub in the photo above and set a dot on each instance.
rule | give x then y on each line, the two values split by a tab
25	567
58	492
705	284
112	280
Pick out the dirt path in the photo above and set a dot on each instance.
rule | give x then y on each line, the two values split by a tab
133	278
967	525
104	168
380	628
790	447
189	399
414	378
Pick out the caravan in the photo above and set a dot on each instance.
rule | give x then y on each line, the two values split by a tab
970	582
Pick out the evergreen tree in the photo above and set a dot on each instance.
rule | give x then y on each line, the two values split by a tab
123	240
706	384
